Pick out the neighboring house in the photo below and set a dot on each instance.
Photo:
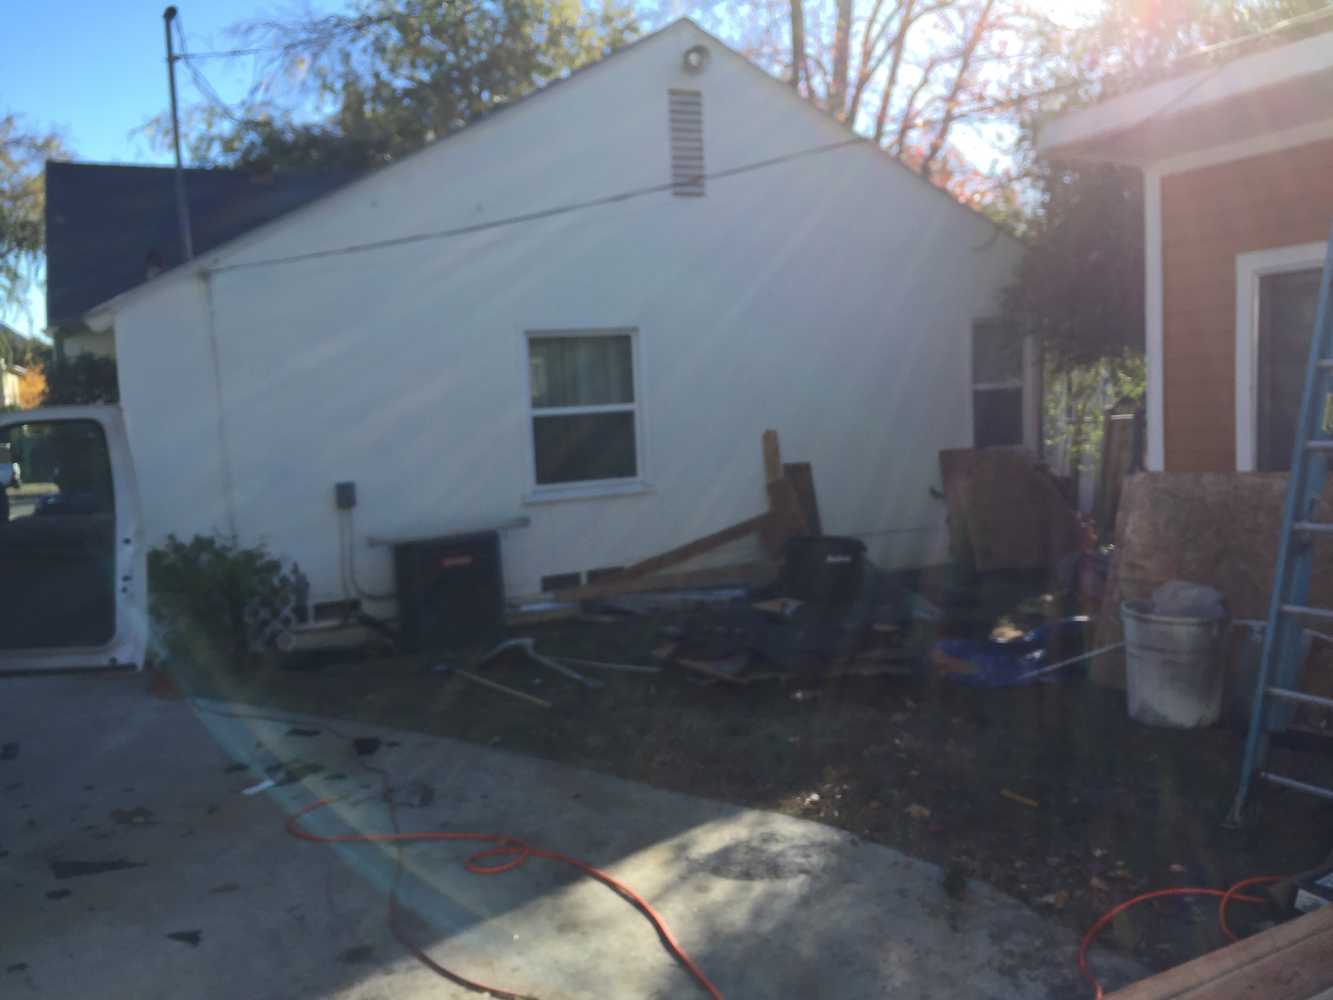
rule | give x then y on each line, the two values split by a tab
1237	162
10	378
110	227
11	374
556	314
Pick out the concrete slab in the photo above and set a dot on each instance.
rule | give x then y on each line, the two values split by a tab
132	866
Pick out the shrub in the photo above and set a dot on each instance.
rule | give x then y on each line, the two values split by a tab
80	380
211	598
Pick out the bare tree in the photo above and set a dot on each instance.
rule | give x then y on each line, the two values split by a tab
798	68
961	76
908	118
842	46
908	73
897	48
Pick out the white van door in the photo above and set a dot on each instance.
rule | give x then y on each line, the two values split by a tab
73	571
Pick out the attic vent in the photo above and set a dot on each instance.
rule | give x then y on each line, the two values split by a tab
686	111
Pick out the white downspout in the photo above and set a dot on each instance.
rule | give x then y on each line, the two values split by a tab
224	448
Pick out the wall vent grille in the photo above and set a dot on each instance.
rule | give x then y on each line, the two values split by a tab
686	113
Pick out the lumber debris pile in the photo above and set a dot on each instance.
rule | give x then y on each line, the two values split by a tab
830	614
746	646
793	511
814	607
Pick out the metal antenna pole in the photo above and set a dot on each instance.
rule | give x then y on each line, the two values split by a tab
182	206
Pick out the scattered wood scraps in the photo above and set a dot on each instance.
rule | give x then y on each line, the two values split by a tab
745	667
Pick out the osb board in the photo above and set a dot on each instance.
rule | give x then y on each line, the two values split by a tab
1218	528
1005	511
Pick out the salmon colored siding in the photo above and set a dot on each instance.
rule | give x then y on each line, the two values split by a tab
1208	217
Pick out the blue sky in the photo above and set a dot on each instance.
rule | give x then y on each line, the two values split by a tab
95	70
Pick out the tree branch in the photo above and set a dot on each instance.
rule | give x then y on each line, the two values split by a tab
799	70
867	65
842	44
818	64
951	102
909	112
909	18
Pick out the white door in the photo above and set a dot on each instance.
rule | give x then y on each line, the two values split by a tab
73	587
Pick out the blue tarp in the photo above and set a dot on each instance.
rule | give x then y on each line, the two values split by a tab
1005	663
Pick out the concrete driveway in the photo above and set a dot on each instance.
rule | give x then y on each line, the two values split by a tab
132	866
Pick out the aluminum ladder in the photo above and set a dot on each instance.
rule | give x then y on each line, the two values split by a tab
1288	606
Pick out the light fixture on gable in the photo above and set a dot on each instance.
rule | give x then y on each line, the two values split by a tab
695	59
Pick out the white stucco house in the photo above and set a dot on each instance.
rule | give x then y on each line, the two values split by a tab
581	312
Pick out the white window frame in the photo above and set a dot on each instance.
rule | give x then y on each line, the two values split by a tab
1251	269
1027	380
589	488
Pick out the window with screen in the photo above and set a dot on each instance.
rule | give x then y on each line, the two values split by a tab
1288	302
584	411
997	385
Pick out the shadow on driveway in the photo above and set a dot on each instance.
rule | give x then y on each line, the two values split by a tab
206	895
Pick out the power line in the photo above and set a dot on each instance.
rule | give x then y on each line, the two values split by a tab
1277	27
1004	104
201	82
1309	17
231	53
327	32
1180	98
1205	77
541	214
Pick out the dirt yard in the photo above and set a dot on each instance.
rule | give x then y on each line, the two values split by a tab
1050	793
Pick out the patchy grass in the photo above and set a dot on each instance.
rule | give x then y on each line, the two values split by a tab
940	771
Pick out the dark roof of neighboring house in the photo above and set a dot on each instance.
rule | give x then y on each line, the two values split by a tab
106	224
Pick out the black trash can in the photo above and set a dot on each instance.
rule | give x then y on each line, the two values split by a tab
823	570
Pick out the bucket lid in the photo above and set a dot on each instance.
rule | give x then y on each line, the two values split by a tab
1142	611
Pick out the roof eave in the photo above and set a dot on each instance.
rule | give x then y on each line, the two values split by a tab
1103	133
1109	147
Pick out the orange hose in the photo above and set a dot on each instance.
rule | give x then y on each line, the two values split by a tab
1227	897
517	852
1230	894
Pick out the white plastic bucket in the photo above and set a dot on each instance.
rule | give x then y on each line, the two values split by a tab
1173	668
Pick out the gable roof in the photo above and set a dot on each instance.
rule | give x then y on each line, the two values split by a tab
1285	87
102	308
105	224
